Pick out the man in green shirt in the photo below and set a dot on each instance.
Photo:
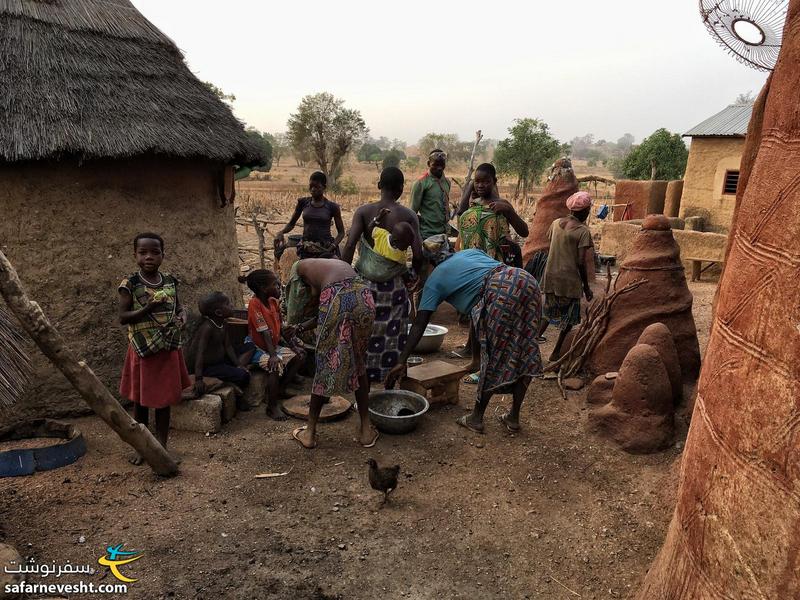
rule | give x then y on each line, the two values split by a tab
430	197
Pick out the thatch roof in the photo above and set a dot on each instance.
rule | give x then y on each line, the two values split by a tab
95	79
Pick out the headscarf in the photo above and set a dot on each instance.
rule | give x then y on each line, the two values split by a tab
579	201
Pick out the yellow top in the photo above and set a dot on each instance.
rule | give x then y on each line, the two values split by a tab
380	237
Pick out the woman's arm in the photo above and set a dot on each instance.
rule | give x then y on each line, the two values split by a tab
414	336
337	220
356	229
417	258
506	209
298	212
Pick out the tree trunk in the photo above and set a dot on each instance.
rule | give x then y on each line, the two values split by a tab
735	530
471	168
653	169
259	228
78	373
516	188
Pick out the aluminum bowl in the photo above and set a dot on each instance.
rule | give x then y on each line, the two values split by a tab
388	408
432	339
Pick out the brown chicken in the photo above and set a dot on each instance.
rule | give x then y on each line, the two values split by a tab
382	479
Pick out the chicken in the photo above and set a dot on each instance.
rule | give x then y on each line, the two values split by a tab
382	479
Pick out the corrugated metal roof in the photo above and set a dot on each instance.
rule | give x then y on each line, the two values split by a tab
731	122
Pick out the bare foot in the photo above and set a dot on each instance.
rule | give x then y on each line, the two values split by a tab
275	413
136	459
303	435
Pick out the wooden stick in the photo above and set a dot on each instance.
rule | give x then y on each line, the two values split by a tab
596	178
83	379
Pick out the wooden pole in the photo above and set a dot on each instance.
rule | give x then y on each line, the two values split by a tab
470	170
79	374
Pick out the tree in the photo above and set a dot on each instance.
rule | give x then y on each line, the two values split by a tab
393	158
527	152
328	129
746	98
280	146
227	98
626	142
663	155
442	141
370	153
262	141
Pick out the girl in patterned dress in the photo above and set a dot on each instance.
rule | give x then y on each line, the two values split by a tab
154	374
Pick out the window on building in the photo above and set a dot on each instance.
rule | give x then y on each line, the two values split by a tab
731	182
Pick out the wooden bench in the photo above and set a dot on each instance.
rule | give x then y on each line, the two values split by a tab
697	266
437	381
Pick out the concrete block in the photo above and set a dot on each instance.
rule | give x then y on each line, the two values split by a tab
202	415
228	395
257	390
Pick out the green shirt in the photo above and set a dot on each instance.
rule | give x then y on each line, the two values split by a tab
430	199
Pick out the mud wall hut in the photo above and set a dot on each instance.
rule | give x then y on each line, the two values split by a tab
104	132
712	172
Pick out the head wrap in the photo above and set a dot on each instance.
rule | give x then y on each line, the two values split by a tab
579	201
437	155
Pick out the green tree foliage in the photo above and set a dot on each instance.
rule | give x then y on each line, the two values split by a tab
262	141
371	153
280	146
393	158
449	142
527	152
662	155
328	130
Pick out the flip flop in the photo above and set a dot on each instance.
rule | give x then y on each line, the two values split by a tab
374	440
465	424
295	436
461	353
472	379
541	339
511	429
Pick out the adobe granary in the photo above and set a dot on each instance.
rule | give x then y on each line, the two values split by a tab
104	132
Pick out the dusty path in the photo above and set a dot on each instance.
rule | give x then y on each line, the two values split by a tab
549	513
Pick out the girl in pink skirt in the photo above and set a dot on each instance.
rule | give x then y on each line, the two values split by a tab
155	373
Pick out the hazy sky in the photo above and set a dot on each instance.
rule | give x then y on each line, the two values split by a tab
583	66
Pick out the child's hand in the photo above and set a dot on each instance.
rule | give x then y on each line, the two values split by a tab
382	213
180	319
289	331
501	207
299	351
273	363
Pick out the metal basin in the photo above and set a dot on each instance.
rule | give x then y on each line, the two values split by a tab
432	339
396	411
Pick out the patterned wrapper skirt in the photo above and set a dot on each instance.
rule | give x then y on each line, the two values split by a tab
536	265
390	331
562	312
505	320
346	317
154	381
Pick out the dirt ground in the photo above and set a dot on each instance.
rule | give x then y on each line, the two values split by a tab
549	513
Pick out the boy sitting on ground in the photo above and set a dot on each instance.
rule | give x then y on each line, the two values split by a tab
211	352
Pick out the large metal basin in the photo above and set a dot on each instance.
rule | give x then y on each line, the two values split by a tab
396	411
432	339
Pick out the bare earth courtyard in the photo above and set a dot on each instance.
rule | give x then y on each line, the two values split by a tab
550	513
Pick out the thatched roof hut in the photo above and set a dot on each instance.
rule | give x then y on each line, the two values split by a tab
95	79
105	132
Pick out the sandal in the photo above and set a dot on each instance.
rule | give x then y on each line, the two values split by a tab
472	379
297	438
465	424
375	439
511	428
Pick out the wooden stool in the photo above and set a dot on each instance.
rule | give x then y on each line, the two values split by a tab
439	378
